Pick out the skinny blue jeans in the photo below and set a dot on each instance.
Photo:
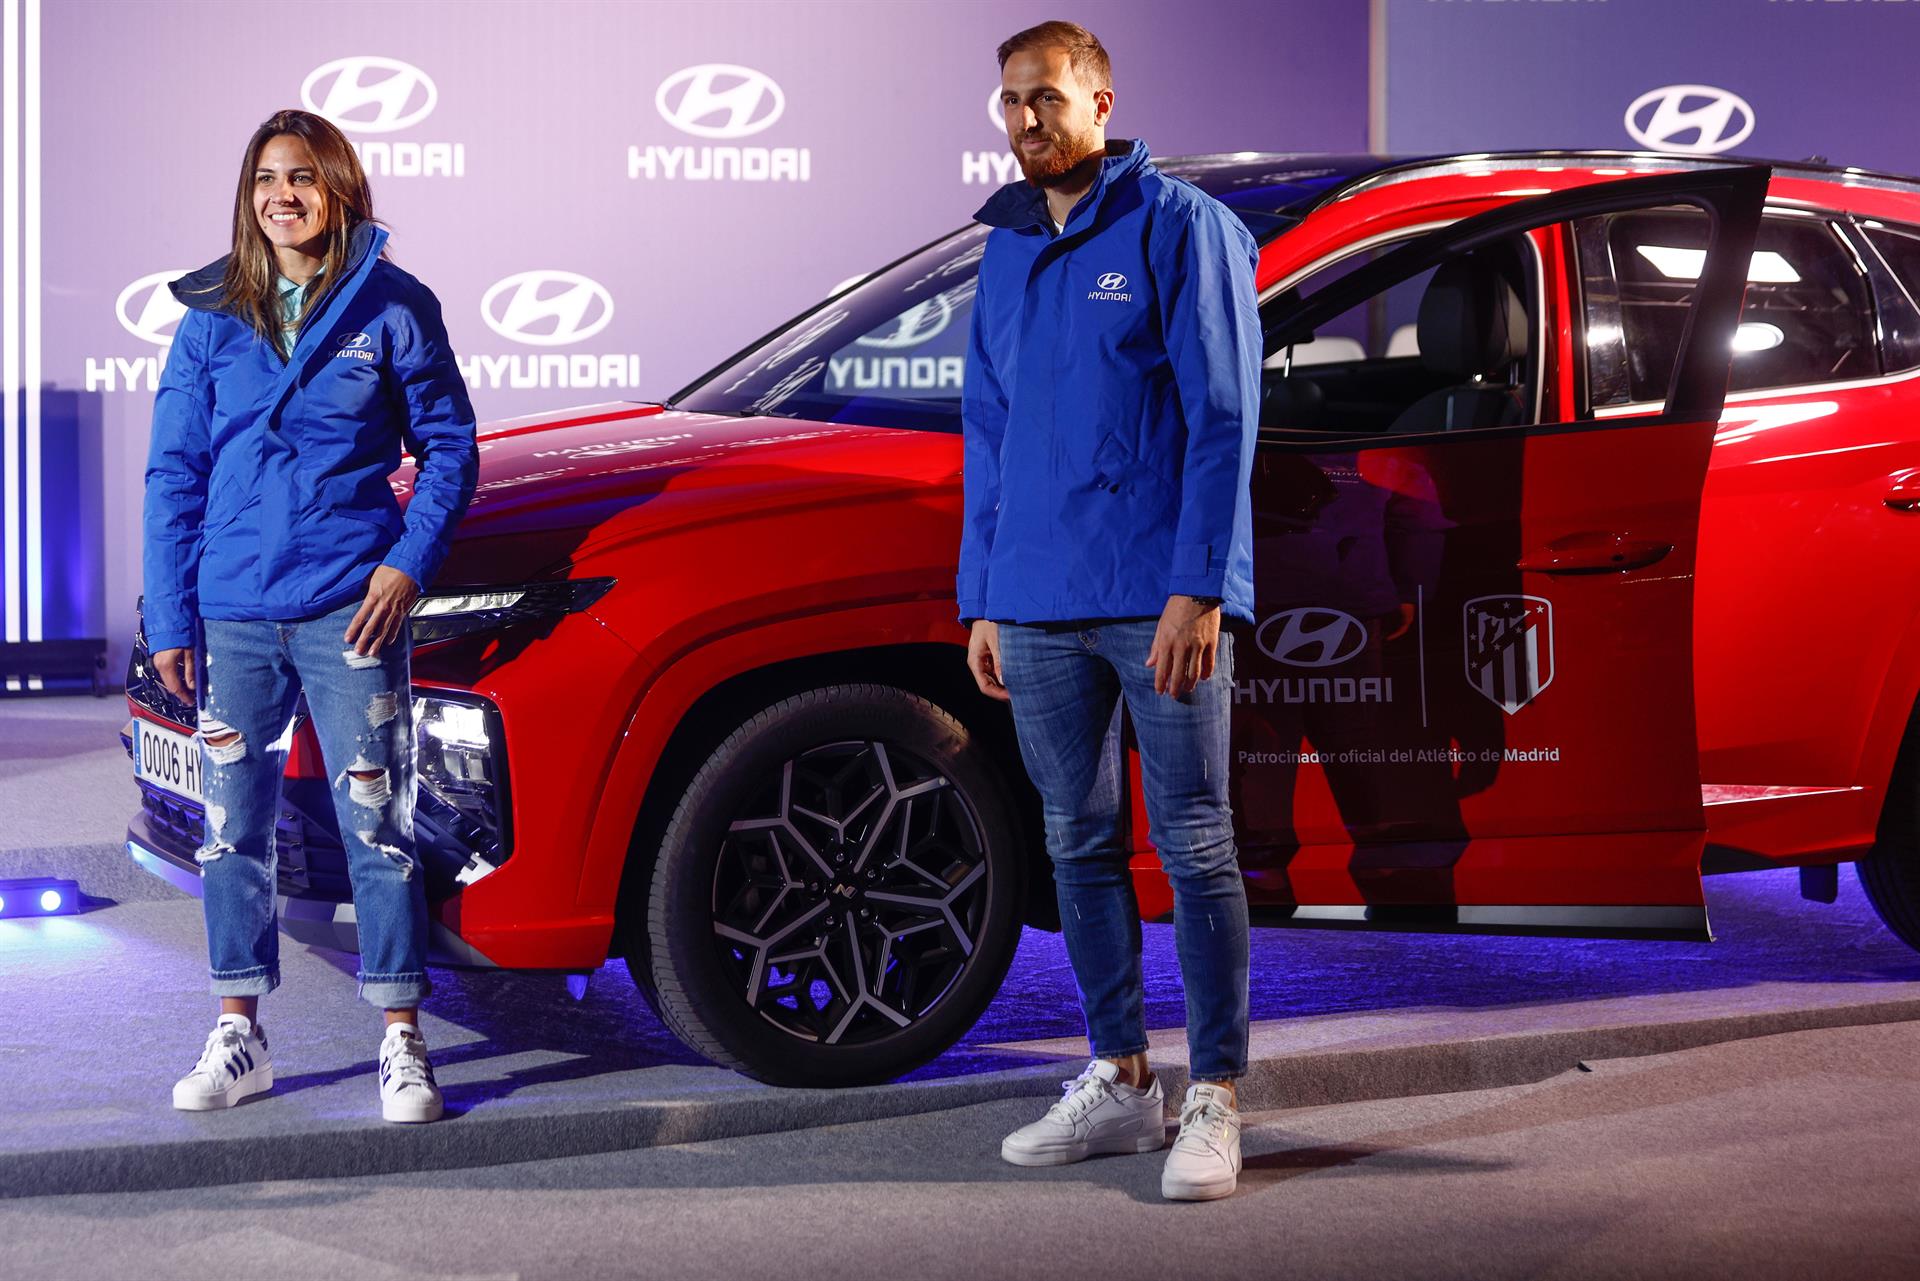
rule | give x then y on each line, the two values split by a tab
251	675
1068	686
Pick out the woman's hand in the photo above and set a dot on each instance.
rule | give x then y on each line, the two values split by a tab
390	598
175	668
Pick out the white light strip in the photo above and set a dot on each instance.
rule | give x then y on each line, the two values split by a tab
10	307
30	324
1766	267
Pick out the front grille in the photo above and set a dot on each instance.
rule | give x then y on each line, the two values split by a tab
309	862
143	685
175	819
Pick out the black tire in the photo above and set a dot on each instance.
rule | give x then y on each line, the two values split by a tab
845	832
1890	873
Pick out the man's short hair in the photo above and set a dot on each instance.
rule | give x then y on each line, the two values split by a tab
1089	56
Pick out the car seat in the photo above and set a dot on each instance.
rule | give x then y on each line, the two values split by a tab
1472	330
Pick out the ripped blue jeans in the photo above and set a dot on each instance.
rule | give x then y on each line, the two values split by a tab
251	675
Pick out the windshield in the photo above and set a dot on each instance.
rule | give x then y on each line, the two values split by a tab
889	352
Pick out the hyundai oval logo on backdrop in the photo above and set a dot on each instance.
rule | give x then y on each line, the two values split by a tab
1113	281
147	308
745	100
917	324
1311	637
546	308
399	93
1719	119
996	112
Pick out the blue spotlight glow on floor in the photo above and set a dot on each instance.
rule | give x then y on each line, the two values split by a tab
38	896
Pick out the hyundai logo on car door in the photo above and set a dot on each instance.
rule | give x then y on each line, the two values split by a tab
1361	712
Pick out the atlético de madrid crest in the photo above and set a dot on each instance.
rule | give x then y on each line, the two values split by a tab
1509	648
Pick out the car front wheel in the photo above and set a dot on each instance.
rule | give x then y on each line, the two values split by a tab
836	898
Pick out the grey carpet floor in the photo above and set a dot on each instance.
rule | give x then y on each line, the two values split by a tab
1787	1156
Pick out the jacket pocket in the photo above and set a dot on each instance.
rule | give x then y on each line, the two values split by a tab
211	528
387	519
1117	471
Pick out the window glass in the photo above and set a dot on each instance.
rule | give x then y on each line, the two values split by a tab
1384	329
1368	372
1807	318
1901	249
1901	334
889	351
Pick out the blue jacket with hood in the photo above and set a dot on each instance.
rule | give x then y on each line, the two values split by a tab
267	493
1111	402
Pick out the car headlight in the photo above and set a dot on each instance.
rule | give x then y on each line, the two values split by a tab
461	762
441	616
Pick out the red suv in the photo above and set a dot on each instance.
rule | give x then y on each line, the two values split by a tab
1578	577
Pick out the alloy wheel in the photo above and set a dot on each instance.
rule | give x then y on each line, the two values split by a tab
851	894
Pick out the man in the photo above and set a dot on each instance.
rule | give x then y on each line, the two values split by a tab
1110	408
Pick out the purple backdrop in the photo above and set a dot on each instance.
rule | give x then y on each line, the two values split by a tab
1785	79
607	198
610	197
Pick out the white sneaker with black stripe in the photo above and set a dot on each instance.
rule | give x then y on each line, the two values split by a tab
407	1089
235	1065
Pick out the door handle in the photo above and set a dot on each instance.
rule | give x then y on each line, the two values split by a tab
1903	491
1595	553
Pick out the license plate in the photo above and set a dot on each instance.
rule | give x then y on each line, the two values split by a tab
167	759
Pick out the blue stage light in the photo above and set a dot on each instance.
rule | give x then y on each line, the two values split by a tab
39	896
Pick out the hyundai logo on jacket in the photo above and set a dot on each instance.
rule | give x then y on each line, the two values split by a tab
267	493
1111	402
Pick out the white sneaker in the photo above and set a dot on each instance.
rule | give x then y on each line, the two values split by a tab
407	1089
235	1065
1205	1162
1097	1114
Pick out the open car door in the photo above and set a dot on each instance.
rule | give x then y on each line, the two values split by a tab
1468	700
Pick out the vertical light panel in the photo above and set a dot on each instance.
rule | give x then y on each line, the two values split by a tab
30	319
10	307
1377	78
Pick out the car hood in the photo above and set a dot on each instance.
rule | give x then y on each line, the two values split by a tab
554	489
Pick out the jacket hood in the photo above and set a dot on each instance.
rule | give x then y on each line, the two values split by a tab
1024	204
205	289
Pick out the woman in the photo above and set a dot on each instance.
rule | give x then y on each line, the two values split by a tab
273	540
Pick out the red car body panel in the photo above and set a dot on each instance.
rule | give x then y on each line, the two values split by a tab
672	495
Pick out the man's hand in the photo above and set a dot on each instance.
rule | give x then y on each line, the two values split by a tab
983	659
1184	646
390	597
175	667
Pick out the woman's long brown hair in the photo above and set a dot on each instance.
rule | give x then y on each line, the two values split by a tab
249	290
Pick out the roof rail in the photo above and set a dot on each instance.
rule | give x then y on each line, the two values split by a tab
1393	171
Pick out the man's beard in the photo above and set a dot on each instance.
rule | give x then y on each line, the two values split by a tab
1066	154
